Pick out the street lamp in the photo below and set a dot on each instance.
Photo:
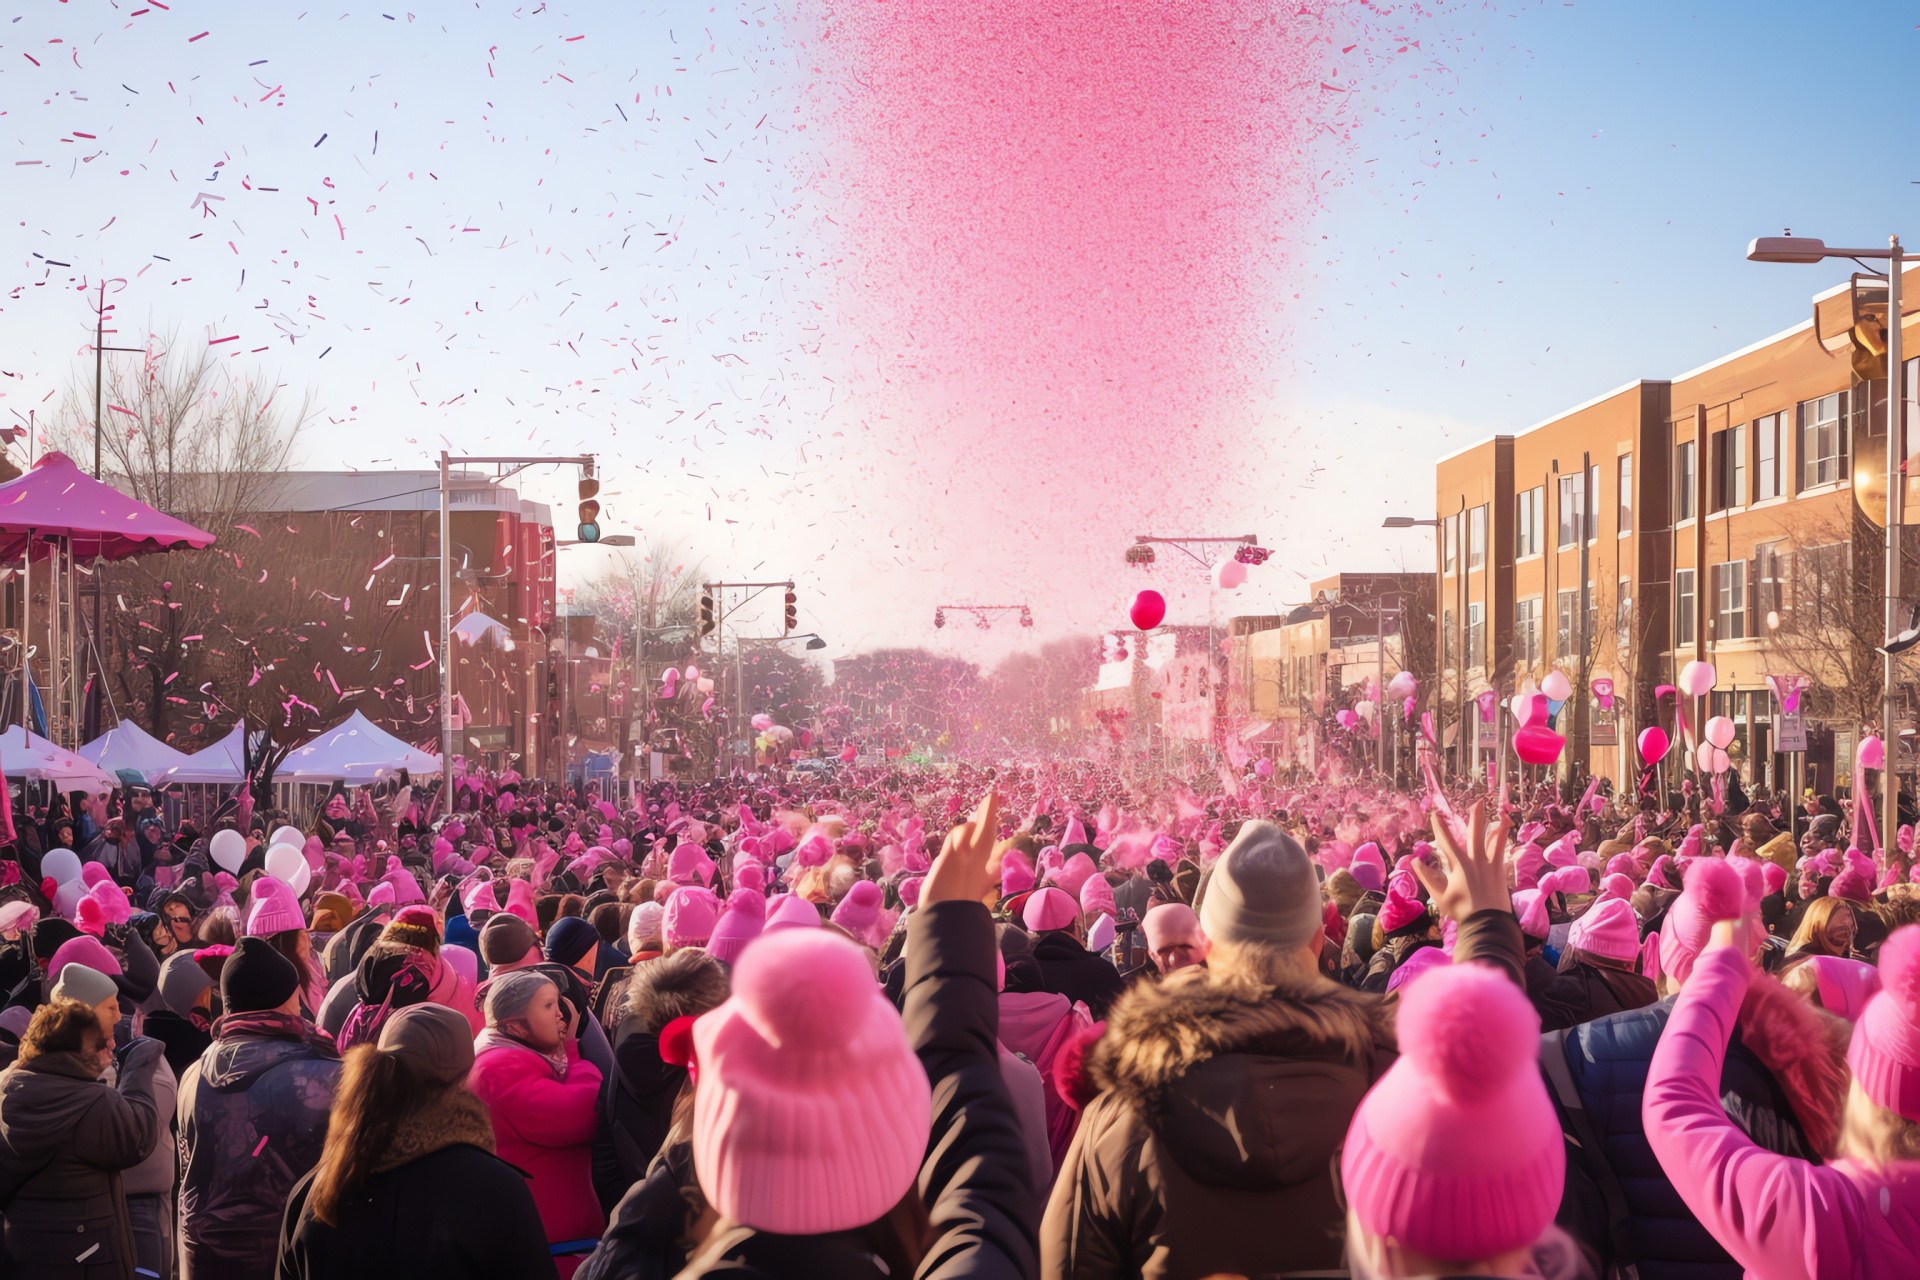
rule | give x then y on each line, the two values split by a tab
1804	249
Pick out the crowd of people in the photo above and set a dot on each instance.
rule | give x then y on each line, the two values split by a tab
1019	1022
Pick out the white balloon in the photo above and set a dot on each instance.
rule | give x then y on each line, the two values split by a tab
288	835
692	673
1721	731
1703	757
66	899
1557	686
1521	704
229	850
702	684
62	866
289	866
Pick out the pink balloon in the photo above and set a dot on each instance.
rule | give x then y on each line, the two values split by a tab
1347	719
1873	753
1263	767
1697	679
1537	744
1149	608
1653	744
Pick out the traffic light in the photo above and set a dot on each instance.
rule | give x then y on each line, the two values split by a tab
1026	616
706	613
939	617
589	509
793	611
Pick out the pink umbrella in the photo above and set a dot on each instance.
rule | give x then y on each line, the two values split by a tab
55	500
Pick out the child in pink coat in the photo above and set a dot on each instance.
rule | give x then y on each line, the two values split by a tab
1781	1218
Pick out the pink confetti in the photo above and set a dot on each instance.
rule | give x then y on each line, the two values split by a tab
262	1144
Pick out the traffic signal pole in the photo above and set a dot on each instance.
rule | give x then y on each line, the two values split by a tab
713	599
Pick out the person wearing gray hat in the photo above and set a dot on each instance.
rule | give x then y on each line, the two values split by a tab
1225	1091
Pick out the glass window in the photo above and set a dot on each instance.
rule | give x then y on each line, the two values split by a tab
1592	508
1730	458
1770	580
1766	458
1566	639
1529	516
1730	600
1682	607
1623	617
1476	538
1821	445
1449	639
1450	541
1683	478
1476	635
1526	632
1625	469
1572	509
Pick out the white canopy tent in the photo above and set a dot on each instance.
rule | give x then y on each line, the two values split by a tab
358	751
128	746
24	754
222	763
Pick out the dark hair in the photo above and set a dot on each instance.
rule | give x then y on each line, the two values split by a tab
545	911
377	1093
216	929
572	904
287	943
607	923
685	984
60	1026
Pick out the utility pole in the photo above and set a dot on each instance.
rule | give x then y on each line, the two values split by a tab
100	331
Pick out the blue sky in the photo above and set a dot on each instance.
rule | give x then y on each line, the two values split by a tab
1564	213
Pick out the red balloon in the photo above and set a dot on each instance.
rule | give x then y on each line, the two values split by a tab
1653	744
1149	608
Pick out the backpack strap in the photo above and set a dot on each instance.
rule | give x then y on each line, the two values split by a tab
1592	1160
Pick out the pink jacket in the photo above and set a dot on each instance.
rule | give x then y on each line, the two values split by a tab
545	1126
1780	1218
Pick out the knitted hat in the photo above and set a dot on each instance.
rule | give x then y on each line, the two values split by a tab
1075	872
1616	885
644	926
88	986
432	1038
1773	878
1622	864
1368	867
570	939
690	864
1402	909
274	909
1529	867
691	913
751	875
1047	910
506	939
1096	898
791	911
416	926
1530	908
1100	934
1456	1152
1853	885
1263	890
257	978
741	921
1714	892
910	890
1885	1053
1016	873
481	897
83	950
811	1111
1609	928
332	912
520	900
859	911
1561	853
1568	880
181	982
1845	985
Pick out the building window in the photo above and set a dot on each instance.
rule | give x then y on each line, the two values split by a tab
1766	457
1624	468
1566	640
1450	542
1821	445
1770	582
1476	538
1573	505
1449	639
1683	481
1682	607
1623	617
1476	635
1526	632
1730	468
1529	516
1730	600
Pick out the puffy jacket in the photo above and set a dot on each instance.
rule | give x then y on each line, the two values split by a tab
1073	971
253	1119
544	1126
1584	991
1608	1060
65	1137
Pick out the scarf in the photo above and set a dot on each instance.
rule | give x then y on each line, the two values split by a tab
274	1025
511	1034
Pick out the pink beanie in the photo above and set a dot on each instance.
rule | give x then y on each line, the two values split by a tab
1016	873
791	911
690	864
811	1111
1885	1054
859	911
1077	871
815	851
1609	928
1096	897
1714	892
690	916
87	952
1530	906
910	890
1561	852
1853	886
1616	885
1368	867
1773	877
1622	864
1456	1152
1401	909
273	911
481	897
1529	867
740	922
1048	910
1845	985
520	901
1568	880
751	875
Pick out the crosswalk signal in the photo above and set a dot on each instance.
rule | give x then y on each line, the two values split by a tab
589	509
793	611
706	613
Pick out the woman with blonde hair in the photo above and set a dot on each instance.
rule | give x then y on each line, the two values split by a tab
1827	929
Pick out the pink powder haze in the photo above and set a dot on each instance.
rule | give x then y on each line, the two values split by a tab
1060	232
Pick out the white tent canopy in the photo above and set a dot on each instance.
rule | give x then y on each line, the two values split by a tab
128	746
30	756
355	751
221	763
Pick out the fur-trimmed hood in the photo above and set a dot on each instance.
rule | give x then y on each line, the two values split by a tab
456	1117
1244	1084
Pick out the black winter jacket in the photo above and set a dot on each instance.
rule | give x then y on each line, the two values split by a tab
1071	970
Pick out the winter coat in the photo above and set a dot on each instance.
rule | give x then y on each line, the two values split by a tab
1607	1060
1071	970
1585	990
636	1099
544	1126
1210	1147
439	1203
253	1119
1779	1217
184	1042
65	1138
1037	1025
646	1233
974	1181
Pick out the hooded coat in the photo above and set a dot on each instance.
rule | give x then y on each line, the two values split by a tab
65	1137
1210	1146
439	1203
545	1126
253	1120
1071	970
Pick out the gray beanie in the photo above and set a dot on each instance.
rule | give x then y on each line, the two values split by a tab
181	982
1262	890
88	986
